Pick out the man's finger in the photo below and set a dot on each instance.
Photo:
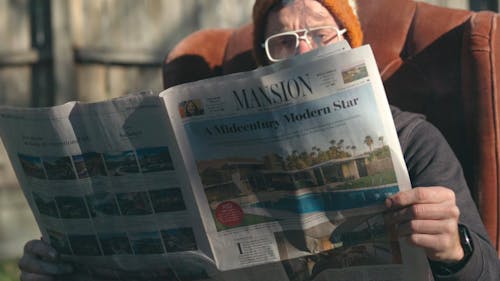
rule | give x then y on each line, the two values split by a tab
438	247
31	264
420	195
424	212
28	276
428	227
41	249
427	241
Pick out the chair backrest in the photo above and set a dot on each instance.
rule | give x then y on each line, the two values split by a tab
437	61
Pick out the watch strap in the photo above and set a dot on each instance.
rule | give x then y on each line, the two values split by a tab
442	268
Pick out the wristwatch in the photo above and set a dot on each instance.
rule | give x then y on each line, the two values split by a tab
442	268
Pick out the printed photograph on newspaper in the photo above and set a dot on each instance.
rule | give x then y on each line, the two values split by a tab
311	171
292	167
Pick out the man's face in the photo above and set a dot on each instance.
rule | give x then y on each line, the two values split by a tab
299	14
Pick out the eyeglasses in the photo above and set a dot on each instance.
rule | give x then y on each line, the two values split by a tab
284	45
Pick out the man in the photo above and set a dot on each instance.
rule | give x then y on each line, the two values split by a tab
437	215
429	215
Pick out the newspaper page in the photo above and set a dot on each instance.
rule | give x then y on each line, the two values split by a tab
104	188
293	167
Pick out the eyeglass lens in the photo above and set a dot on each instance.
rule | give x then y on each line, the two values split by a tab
282	46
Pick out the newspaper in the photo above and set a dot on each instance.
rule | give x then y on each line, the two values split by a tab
275	174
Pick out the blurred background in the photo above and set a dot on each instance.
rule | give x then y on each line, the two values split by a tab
54	51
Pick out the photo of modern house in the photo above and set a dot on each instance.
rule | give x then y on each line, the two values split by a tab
59	168
32	166
331	171
115	243
102	204
84	245
354	73
59	241
89	164
320	181
121	163
46	204
146	243
154	159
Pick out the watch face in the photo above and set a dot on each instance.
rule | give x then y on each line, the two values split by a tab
465	241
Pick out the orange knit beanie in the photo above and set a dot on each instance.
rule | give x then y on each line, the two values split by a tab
341	10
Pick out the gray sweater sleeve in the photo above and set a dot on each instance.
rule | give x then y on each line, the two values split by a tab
431	162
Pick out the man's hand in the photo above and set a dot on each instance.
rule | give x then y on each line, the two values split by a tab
428	217
40	262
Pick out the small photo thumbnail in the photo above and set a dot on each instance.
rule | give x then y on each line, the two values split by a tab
167	200
134	203
190	108
155	159
102	204
89	164
145	243
80	167
32	166
121	163
85	245
59	168
179	239
115	244
59	241
354	73
72	207
46	204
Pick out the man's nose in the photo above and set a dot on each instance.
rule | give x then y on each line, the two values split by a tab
304	46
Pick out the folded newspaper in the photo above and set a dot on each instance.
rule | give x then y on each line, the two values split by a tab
275	174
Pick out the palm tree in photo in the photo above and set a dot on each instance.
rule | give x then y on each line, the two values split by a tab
304	158
332	150
340	144
369	142
292	159
332	142
319	154
381	140
353	148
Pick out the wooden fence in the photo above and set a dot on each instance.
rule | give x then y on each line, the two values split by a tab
54	51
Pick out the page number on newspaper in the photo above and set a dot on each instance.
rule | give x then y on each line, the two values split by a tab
229	213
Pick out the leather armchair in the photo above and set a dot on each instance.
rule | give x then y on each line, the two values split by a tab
437	61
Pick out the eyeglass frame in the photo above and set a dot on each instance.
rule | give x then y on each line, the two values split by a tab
296	32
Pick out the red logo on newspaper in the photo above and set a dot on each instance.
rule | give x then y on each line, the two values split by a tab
229	213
